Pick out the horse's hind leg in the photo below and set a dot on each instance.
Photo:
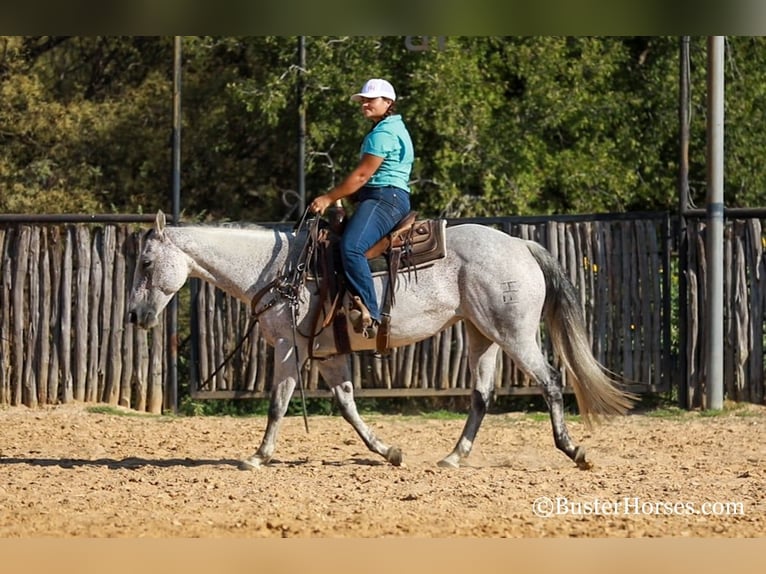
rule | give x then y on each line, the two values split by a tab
550	385
482	362
554	398
335	372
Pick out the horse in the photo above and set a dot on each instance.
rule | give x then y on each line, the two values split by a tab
500	286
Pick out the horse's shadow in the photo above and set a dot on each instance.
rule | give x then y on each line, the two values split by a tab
134	463
116	464
355	461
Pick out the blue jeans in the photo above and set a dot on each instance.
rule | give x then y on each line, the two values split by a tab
377	212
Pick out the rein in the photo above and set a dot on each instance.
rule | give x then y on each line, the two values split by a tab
253	320
287	286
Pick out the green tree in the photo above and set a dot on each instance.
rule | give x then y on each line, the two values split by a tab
501	125
80	124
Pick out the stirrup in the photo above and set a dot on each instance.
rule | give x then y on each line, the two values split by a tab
371	331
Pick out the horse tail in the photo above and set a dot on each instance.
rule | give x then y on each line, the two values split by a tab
598	392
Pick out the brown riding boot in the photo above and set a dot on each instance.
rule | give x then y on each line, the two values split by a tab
359	315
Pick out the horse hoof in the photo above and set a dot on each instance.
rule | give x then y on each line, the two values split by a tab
251	464
580	461
394	456
448	463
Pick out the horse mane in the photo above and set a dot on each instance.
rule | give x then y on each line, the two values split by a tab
239	230
236	225
243	225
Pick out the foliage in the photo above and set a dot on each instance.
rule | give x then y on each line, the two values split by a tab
116	411
453	407
502	125
251	407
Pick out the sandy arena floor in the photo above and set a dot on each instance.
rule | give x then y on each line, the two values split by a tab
68	472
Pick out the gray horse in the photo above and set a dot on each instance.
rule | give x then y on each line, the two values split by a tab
499	286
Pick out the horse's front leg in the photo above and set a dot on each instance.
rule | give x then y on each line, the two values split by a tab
336	373
285	378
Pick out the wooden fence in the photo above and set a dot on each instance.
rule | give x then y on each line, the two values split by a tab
744	305
64	335
617	266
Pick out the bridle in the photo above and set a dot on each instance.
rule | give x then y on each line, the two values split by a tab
286	287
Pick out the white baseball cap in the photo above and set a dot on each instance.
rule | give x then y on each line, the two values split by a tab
375	88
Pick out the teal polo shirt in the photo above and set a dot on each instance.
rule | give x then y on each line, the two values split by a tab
390	140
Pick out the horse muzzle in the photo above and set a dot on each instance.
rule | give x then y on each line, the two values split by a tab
143	319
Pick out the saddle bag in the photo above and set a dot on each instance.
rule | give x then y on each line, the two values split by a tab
414	242
424	243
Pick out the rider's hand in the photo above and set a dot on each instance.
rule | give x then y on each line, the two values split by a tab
320	204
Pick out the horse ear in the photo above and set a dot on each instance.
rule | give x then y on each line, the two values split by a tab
159	223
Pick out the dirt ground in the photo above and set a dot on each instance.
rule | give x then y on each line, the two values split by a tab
68	472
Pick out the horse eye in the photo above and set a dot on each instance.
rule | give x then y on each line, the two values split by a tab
146	263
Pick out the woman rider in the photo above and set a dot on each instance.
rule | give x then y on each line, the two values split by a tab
379	187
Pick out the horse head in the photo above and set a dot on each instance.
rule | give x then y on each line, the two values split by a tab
161	270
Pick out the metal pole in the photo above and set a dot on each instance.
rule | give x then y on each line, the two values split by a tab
683	205
715	212
301	127
171	383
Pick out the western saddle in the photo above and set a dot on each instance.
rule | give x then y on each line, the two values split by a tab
411	245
